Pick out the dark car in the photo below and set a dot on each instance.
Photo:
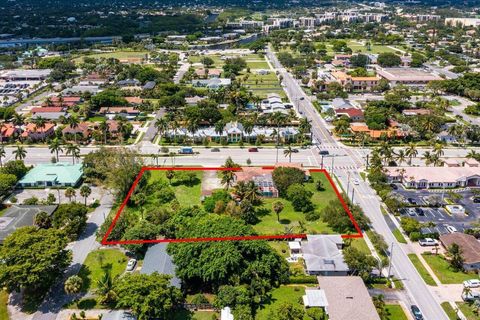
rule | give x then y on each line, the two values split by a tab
252	149
394	186
411	201
420	211
476	200
417	314
295	150
215	150
323	153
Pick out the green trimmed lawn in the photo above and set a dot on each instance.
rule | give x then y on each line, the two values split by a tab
447	307
361	245
399	236
290	218
196	315
395	312
421	269
279	295
467	311
3	305
97	261
281	247
257	64
187	195
116	55
443	271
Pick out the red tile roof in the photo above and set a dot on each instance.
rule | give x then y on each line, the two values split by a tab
47	109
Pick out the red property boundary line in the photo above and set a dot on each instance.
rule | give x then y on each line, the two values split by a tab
105	240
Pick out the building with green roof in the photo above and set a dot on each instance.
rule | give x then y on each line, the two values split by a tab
59	174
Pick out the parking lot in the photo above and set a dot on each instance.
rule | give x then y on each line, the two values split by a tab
422	199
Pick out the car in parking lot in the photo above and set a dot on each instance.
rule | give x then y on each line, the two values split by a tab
252	149
451	229
131	264
476	200
419	211
427	242
323	153
417	314
411	201
472	283
356	182
295	150
215	150
411	212
394	186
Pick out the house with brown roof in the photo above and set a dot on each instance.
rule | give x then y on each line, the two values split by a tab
68	101
31	131
82	130
134	100
356	83
353	114
377	134
7	131
468	244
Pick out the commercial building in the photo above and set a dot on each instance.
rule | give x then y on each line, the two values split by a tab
468	244
462	22
356	83
435	177
347	298
18	216
58	174
25	75
407	76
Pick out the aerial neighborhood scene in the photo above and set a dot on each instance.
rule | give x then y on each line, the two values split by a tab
247	160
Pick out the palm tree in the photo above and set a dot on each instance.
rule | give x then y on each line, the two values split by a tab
472	154
228	176
411	152
103	127
278	119
288	153
247	191
17	119
55	146
105	288
277	207
69	193
73	122
2	155
85	191
73	285
305	127
20	153
162	126
385	150
400	156
438	149
428	157
74	151
40	123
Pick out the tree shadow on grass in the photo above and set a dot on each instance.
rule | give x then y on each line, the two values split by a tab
285	221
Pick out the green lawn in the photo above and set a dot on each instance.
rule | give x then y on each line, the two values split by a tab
291	294
291	218
2	211
361	245
395	312
421	269
116	55
97	261
196	315
257	64
399	236
447	307
442	270
3	305
187	195
467	311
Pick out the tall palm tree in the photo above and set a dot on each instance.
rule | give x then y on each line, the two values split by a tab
40	123
305	127
438	149
103	127
162	126
74	151
85	191
428	157
228	177
17	119
385	150
277	119
2	155
288	153
400	156
411	152
55	146
20	153
73	122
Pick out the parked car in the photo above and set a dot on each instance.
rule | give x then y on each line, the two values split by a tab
131	264
417	314
411	201
356	182
252	149
185	150
427	242
419	211
472	283
215	150
394	186
451	229
471	296
295	150
323	153
476	200
411	212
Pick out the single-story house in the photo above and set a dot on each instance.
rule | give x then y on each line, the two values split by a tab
323	255
353	114
213	83
347	298
18	216
407	76
340	103
435	177
127	112
158	260
468	244
261	177
58	174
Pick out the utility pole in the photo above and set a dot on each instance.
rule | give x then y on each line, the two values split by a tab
322	162
333	160
348	182
366	165
353	194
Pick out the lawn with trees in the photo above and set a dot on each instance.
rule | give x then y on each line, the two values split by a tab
444	270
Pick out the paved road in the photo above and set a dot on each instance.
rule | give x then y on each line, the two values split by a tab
81	248
366	197
458	110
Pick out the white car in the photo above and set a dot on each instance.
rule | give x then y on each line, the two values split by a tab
451	229
427	242
131	264
356	182
472	283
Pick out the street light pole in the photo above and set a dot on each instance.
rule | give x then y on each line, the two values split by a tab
333	160
353	194
322	162
348	182
390	260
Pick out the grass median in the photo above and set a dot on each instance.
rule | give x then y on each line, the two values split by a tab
421	269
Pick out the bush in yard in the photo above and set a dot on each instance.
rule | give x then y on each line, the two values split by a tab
300	198
220	195
312	216
284	177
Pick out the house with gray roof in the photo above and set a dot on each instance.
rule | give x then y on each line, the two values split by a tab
18	216
323	255
158	260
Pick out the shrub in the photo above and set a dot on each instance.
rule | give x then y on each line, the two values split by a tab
312	216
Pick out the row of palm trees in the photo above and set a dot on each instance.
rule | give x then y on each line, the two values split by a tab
56	146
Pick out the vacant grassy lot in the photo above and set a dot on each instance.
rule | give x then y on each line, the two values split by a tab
262	85
395	312
117	55
291	294
290	218
98	262
421	269
444	272
3	305
258	63
186	194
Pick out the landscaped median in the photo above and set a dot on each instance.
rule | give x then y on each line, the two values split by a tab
447	307
421	269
